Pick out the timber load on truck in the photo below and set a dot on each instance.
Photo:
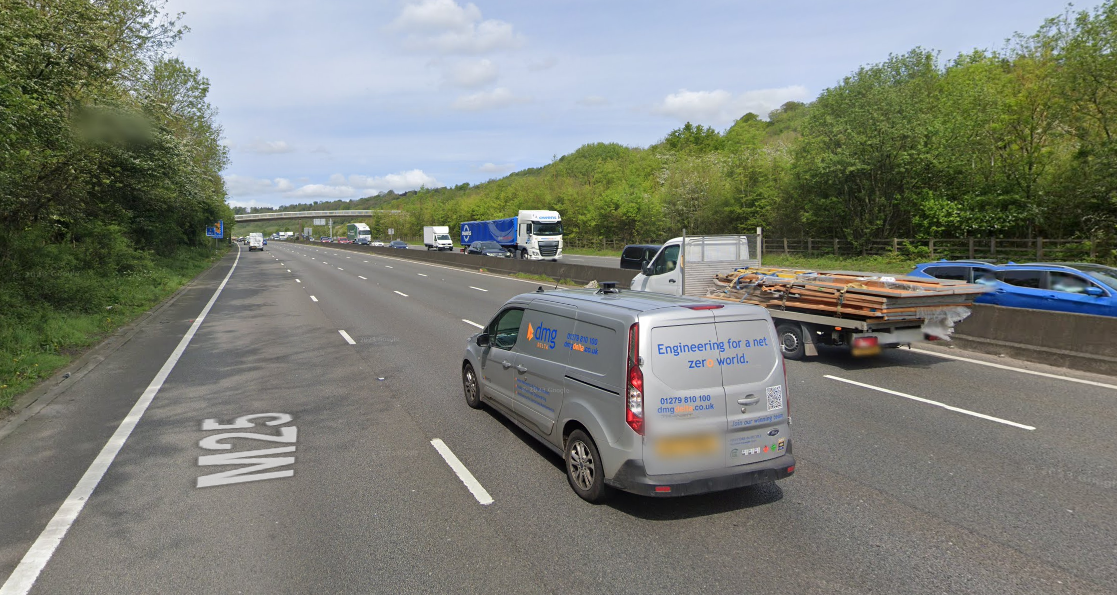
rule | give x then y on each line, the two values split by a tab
860	311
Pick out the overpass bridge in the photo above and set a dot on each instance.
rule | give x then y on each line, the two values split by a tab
278	216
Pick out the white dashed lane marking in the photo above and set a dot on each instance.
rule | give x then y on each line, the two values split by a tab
347	338
402	293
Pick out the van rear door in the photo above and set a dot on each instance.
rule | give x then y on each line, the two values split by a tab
684	402
753	378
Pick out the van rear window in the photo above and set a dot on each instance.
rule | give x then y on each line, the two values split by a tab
687	357
752	351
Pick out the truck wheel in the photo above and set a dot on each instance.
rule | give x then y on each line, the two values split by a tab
471	387
583	468
523	254
791	341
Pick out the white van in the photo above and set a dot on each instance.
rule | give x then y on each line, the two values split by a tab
651	394
255	241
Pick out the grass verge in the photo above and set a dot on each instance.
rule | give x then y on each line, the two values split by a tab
36	340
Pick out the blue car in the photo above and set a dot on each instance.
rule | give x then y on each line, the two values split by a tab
1080	288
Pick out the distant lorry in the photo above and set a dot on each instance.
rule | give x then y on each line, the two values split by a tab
694	271
531	235
359	233
255	241
437	237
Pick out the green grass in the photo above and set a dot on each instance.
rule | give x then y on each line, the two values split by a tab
869	264
591	252
37	340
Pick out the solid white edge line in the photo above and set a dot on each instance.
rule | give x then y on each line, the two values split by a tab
402	293
935	403
472	323
477	288
363	277
313	299
462	472
1014	369
347	338
27	572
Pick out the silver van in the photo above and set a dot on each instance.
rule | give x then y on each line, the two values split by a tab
647	393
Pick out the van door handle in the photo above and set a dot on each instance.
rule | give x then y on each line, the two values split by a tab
522	369
748	401
670	280
506	365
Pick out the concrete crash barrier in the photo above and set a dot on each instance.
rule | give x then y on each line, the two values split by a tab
578	273
1076	341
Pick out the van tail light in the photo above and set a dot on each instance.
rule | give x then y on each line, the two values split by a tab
634	391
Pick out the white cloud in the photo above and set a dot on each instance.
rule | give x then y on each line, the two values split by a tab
593	101
722	107
260	147
544	64
469	74
447	27
338	186
493	168
495	99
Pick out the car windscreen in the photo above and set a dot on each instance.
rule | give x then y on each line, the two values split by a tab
547	229
1104	274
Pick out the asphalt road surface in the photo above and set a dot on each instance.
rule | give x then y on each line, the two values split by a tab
357	358
597	261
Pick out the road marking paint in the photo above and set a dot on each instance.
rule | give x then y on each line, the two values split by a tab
402	293
340	269
1014	369
313	299
366	261
27	572
348	257
935	403
347	338
362	277
462	472
472	323
297	281
288	270
387	266
422	275
477	288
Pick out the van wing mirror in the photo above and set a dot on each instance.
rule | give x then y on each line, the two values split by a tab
483	340
646	269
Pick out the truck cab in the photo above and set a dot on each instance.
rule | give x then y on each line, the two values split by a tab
539	235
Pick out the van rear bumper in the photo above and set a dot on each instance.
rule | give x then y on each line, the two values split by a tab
631	477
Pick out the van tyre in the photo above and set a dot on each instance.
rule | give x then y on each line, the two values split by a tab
471	387
583	468
791	341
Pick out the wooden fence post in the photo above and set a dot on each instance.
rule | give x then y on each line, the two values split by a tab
993	248
1093	247
785	247
809	251
931	245
971	249
835	246
895	246
1039	248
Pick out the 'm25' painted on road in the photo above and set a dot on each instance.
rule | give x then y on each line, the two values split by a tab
253	461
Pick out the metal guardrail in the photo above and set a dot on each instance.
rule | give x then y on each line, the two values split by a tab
274	216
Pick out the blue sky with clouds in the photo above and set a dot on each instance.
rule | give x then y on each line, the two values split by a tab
346	98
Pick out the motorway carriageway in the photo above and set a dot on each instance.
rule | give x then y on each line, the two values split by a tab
917	473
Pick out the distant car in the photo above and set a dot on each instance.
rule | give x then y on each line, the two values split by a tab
343	240
488	249
379	243
327	239
265	241
634	256
397	244
1078	288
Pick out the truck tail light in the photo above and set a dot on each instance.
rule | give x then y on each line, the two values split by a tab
861	342
634	392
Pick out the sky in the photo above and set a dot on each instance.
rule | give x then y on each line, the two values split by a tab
340	99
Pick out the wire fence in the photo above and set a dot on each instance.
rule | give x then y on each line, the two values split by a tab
996	249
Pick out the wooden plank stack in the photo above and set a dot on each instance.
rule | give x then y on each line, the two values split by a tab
862	296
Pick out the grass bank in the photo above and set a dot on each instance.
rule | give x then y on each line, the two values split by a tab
39	335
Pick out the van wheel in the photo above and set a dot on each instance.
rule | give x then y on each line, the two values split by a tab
791	340
583	468
472	389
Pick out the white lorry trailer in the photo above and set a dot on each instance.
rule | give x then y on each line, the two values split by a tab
692	271
437	237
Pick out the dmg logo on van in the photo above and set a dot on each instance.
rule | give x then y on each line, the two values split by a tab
546	336
466	234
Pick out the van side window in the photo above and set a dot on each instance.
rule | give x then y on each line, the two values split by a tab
1032	279
504	329
667	261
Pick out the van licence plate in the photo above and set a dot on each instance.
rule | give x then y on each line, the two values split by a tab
686	446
